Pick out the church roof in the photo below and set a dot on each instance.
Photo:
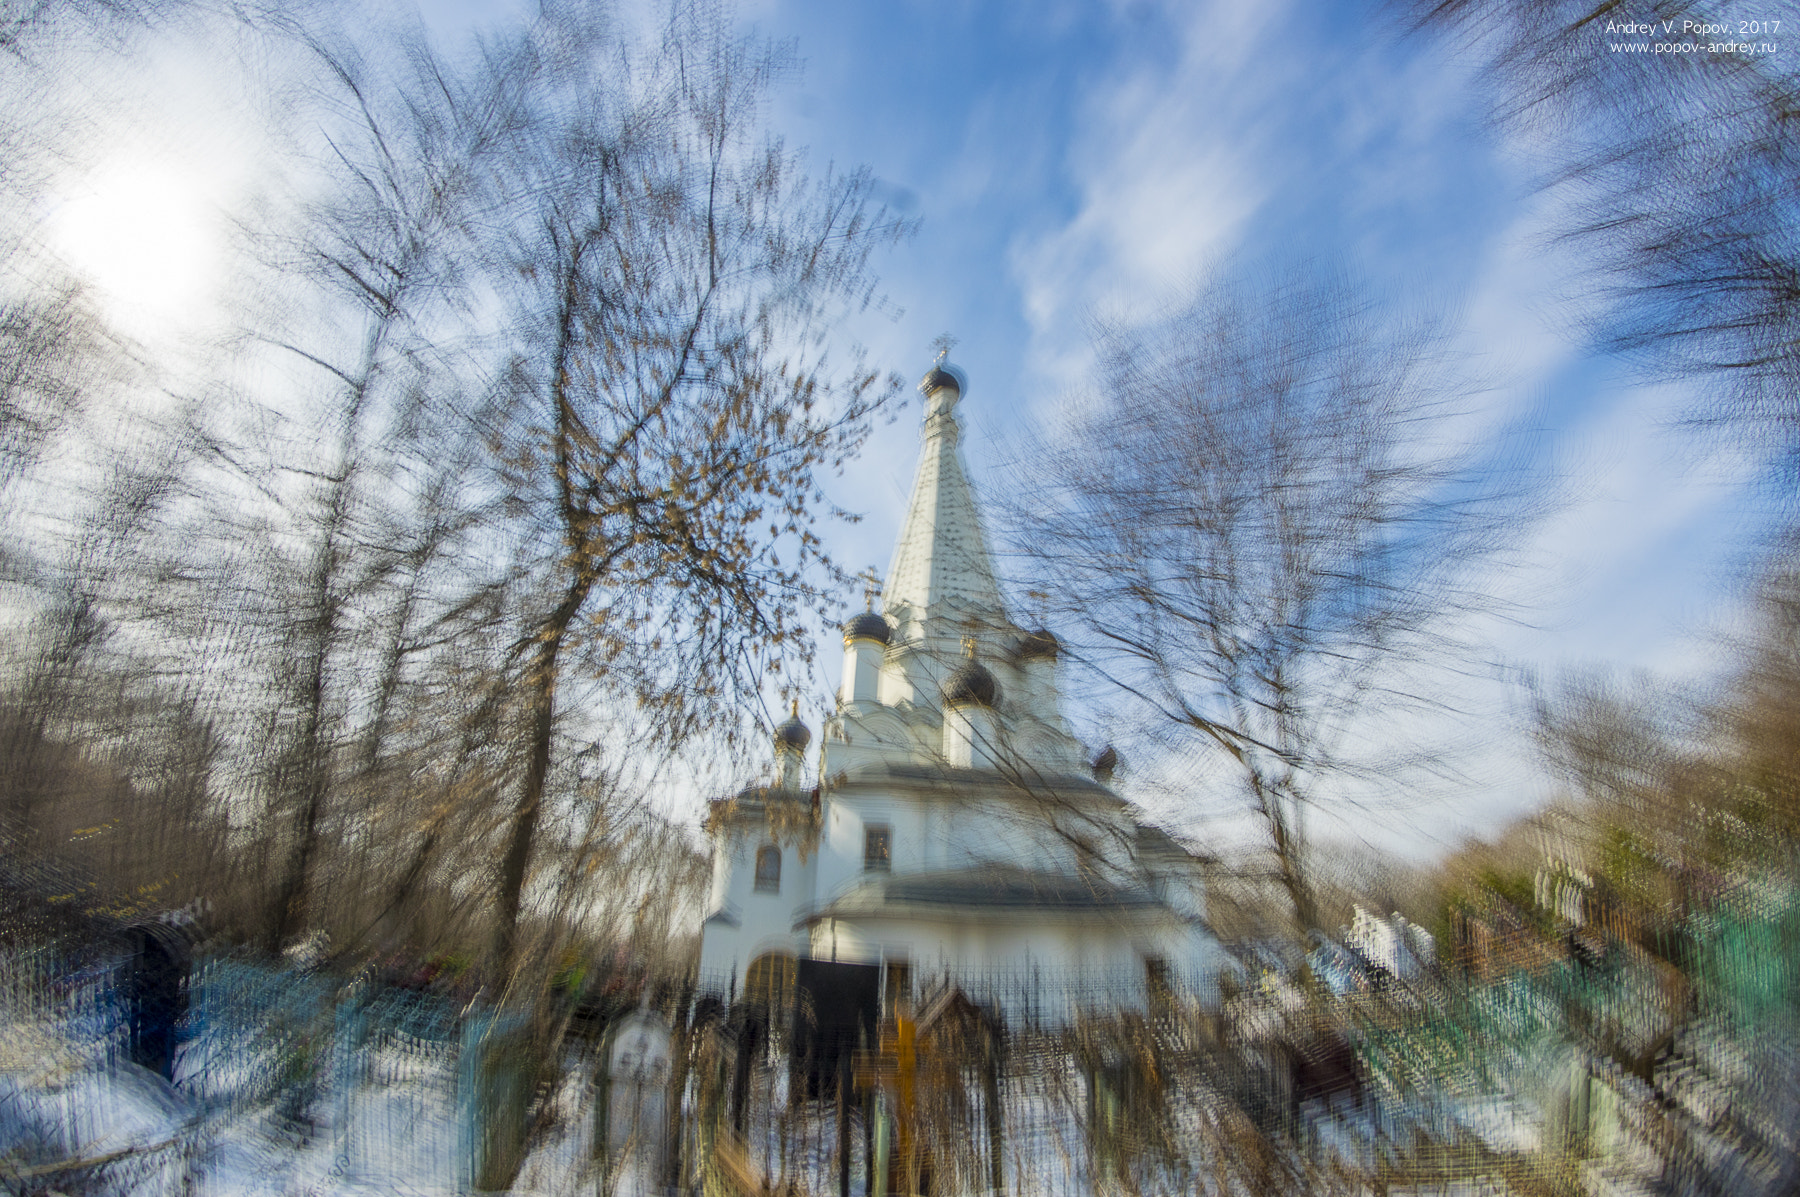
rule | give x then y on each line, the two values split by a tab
942	566
955	779
983	889
1155	843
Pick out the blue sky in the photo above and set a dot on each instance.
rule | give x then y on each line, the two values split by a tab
1071	159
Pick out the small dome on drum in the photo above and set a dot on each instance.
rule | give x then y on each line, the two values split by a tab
793	734
970	685
868	626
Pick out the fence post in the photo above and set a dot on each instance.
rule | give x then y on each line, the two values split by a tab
871	1112
882	1155
497	1075
682	1044
351	1019
990	1077
601	1147
748	1040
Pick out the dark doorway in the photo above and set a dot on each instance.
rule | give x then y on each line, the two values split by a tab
835	1011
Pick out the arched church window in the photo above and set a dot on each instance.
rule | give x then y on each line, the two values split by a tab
768	869
878	849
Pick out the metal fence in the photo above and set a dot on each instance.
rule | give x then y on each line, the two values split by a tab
282	1081
296	1082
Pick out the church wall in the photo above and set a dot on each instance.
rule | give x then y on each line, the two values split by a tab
899	681
1062	965
1002	943
931	834
718	895
764	920
1028	690
927	834
1003	832
841	845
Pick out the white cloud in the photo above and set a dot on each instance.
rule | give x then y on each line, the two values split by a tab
1165	163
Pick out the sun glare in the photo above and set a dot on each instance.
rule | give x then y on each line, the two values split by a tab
145	236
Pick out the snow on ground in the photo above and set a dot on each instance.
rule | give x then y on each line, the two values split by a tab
276	1091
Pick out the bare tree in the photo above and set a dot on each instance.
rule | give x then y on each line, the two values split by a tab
574	259
1760	721
27	24
348	485
1258	532
84	715
52	353
668	406
326	573
1682	171
107	753
1694	769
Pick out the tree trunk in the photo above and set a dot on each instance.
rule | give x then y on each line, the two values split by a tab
515	865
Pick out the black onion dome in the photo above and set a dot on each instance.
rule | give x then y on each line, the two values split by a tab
938	379
1040	645
793	733
970	685
868	626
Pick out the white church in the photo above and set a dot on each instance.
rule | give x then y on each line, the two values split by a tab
949	829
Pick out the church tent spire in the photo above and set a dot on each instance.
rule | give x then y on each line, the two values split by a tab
941	582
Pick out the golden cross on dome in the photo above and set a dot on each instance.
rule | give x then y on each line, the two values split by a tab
871	587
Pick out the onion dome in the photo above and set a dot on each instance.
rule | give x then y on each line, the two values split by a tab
939	379
970	685
868	626
1037	646
793	734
